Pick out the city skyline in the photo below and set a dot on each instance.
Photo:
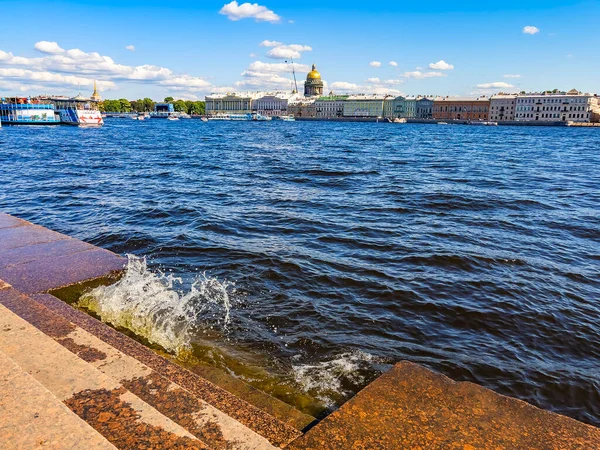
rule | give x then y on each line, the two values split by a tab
188	51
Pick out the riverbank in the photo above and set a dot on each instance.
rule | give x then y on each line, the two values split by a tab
110	391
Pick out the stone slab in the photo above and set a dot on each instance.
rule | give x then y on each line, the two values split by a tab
8	221
32	418
277	432
46	251
121	417
202	420
28	234
411	407
42	275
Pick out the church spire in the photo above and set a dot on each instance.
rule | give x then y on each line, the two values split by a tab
95	95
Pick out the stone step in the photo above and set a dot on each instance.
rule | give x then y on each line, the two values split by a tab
411	407
31	417
121	417
197	416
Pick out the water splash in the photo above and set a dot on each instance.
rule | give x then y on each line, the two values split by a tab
151	305
335	379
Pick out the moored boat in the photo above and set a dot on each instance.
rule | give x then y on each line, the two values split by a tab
27	111
78	111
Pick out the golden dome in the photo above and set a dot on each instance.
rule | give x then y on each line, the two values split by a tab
313	74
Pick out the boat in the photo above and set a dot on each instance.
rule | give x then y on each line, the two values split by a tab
483	123
400	120
172	117
27	111
204	119
442	123
184	116
256	117
289	118
78	111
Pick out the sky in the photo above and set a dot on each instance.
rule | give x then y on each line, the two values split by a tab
188	49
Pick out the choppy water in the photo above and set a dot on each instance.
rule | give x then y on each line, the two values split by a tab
320	253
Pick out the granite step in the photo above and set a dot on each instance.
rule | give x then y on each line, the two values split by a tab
199	417
31	417
106	405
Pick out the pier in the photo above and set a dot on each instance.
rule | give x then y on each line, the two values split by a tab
68	380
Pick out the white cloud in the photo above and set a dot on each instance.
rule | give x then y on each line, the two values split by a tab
288	51
441	65
418	75
51	48
374	86
373	80
512	76
392	82
529	29
270	76
131	48
234	11
59	69
495	85
267	43
344	86
252	55
375	64
393	64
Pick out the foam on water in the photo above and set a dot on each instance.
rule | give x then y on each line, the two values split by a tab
154	306
335	378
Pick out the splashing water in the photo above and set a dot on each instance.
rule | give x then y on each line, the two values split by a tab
332	380
148	304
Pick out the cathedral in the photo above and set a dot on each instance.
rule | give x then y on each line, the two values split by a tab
314	85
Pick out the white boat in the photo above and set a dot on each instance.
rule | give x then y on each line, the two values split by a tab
203	119
80	111
400	120
172	118
483	123
256	117
289	118
442	123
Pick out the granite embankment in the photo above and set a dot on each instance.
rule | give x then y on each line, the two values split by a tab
68	380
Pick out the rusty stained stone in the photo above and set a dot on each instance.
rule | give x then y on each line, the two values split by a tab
36	314
411	407
85	352
42	275
180	406
275	431
120	424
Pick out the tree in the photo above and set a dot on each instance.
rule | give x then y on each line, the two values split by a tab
180	106
196	108
125	105
169	99
148	104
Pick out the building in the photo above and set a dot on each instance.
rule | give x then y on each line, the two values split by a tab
95	96
272	105
393	107
502	107
304	107
410	108
572	106
365	105
423	108
455	108
230	103
313	87
331	106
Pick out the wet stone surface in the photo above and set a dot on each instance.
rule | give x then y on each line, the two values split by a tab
85	352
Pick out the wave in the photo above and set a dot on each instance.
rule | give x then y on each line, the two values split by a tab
153	305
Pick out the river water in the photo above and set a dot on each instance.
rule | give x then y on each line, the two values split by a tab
315	255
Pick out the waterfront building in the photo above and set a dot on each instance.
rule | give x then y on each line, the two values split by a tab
25	111
304	107
410	108
272	105
502	107
230	103
331	106
572	106
313	87
365	105
393	107
456	108
423	108
162	110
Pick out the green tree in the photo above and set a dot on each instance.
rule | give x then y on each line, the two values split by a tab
169	99
196	108
180	106
125	105
148	104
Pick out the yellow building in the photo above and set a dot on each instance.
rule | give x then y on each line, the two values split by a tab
313	87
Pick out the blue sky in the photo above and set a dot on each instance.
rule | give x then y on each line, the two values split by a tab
191	48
